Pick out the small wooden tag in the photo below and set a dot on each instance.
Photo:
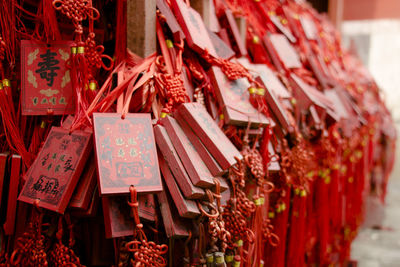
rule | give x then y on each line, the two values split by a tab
175	227
285	51
171	157
45	80
205	155
194	165
85	188
52	177
210	134
186	208
234	97
126	153
193	26
118	219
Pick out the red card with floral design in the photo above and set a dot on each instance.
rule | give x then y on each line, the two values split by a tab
45	78
126	153
52	177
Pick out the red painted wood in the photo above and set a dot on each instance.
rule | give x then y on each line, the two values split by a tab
55	172
171	157
126	153
9	225
210	134
186	208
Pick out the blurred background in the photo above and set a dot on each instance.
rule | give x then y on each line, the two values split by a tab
372	28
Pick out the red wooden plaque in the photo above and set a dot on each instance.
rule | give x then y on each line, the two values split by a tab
9	225
193	26
271	81
287	54
91	211
170	19
126	153
84	190
233	30
56	170
174	226
309	28
186	208
221	48
235	100
210	134
3	161
194	165
207	158
286	31
275	105
118	219
309	94
45	79
169	154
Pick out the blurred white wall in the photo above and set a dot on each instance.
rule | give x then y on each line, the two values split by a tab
378	44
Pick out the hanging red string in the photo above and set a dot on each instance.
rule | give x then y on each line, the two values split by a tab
146	253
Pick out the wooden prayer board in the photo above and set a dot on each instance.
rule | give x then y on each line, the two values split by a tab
45	80
168	152
235	99
210	134
52	177
191	160
85	188
126	153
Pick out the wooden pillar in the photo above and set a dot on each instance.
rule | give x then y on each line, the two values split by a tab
141	27
335	12
242	26
207	11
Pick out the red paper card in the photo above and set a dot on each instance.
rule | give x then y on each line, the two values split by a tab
194	165
45	79
56	170
169	154
174	226
287	54
210	134
193	26
9	225
207	158
3	161
126	153
84	190
186	208
118	219
234	97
